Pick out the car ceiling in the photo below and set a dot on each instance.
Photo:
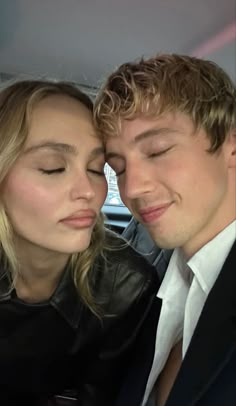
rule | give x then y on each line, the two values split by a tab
84	40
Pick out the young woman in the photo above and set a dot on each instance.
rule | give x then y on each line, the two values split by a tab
73	296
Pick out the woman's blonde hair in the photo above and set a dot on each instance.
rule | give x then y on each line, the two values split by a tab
17	102
169	83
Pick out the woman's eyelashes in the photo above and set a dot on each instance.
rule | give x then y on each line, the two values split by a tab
96	172
61	170
59	165
52	171
97	168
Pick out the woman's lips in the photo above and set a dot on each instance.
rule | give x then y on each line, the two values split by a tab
81	220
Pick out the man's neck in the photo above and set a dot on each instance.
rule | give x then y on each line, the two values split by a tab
204	237
224	215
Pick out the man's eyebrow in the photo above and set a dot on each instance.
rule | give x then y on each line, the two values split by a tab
153	132
55	146
142	136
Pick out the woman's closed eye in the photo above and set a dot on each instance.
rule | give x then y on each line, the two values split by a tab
98	172
52	171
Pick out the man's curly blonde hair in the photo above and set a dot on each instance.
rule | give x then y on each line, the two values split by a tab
169	83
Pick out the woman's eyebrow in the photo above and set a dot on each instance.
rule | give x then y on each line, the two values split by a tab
62	147
97	152
55	146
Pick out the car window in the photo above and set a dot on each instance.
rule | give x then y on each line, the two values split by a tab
113	196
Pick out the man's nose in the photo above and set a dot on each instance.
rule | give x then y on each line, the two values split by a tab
137	181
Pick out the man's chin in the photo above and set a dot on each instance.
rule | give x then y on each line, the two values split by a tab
163	241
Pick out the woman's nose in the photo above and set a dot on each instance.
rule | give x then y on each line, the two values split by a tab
82	188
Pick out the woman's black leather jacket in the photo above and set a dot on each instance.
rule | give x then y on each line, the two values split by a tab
60	347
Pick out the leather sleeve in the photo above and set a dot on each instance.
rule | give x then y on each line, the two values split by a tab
134	289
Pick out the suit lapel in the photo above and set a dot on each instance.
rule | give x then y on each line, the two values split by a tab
136	379
135	382
213	342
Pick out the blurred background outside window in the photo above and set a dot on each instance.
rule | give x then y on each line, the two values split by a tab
113	196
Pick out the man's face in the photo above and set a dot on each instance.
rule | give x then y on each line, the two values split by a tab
169	181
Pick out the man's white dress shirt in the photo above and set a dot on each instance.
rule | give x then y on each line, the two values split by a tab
183	291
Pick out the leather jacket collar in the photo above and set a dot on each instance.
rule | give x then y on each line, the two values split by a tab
66	299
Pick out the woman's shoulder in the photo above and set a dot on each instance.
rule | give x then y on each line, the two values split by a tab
126	258
122	275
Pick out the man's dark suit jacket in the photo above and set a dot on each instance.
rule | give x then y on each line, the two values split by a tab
207	376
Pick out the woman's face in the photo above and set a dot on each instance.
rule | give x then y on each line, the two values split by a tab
55	190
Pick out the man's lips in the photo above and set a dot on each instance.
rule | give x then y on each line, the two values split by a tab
80	219
150	214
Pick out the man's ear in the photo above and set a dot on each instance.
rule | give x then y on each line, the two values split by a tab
232	148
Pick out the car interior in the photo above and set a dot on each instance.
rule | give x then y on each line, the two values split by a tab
83	41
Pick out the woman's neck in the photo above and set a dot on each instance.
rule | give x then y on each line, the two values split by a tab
39	273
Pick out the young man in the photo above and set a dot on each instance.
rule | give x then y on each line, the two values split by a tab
169	125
